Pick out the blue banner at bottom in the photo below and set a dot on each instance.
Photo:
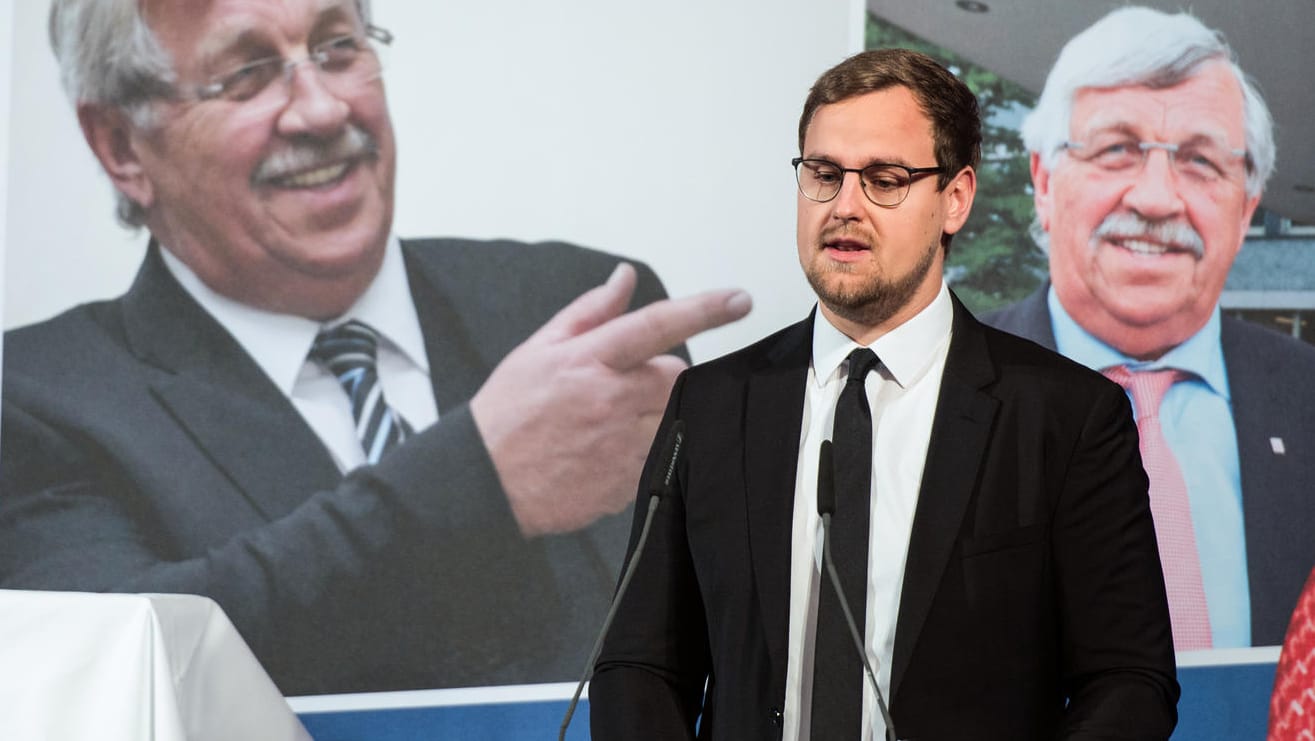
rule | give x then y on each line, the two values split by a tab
1225	702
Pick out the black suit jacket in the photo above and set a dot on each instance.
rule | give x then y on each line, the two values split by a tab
1032	606
1269	378
144	451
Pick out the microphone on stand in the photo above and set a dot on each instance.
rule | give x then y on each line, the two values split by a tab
660	486
826	507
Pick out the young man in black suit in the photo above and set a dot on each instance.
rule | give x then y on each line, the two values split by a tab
992	524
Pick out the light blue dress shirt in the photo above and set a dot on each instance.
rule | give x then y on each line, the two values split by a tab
1197	419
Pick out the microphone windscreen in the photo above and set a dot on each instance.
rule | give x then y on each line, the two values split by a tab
665	474
826	480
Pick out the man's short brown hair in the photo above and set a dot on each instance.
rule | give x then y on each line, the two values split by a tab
955	122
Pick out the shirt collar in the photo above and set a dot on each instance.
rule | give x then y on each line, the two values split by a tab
906	351
279	343
1201	354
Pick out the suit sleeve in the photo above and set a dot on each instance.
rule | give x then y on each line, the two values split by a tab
649	678
72	520
1114	618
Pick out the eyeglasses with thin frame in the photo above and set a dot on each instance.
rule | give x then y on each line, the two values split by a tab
1202	159
884	184
344	63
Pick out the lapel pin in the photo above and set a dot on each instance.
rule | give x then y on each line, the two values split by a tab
1276	444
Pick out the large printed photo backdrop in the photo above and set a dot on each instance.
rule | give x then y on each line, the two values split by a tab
663	133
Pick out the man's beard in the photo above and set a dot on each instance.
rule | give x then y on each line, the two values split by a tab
872	303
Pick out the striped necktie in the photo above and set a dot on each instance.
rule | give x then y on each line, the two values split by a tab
348	351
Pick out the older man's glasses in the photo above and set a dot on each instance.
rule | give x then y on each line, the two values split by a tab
1201	160
884	184
345	64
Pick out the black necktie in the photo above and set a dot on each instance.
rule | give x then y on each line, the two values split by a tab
837	709
348	351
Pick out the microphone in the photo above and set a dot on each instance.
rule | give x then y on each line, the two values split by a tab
826	507
826	483
661	485
670	455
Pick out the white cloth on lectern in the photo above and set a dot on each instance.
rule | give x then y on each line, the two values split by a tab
131	667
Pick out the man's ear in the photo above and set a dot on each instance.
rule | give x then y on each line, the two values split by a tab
110	134
1248	211
959	194
1041	197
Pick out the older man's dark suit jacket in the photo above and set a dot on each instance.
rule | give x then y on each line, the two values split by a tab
1272	382
1033	606
144	451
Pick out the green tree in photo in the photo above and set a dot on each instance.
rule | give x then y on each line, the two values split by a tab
993	261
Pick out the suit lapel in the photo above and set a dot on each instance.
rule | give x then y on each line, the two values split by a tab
960	432
464	342
447	302
1035	310
1028	318
221	398
773	415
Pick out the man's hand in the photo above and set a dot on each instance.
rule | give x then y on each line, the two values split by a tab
568	416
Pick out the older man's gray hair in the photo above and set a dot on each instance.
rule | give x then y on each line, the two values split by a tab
109	56
1141	46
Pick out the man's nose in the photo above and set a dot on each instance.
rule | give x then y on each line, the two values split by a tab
850	202
312	107
1155	192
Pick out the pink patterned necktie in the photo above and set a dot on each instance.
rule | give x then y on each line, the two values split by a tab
1292	706
1170	508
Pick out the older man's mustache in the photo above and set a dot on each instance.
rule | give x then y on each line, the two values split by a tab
1145	236
308	154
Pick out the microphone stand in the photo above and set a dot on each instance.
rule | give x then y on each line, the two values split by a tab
653	501
666	474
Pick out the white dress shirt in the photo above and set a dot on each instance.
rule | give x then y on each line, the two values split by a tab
280	343
902	394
